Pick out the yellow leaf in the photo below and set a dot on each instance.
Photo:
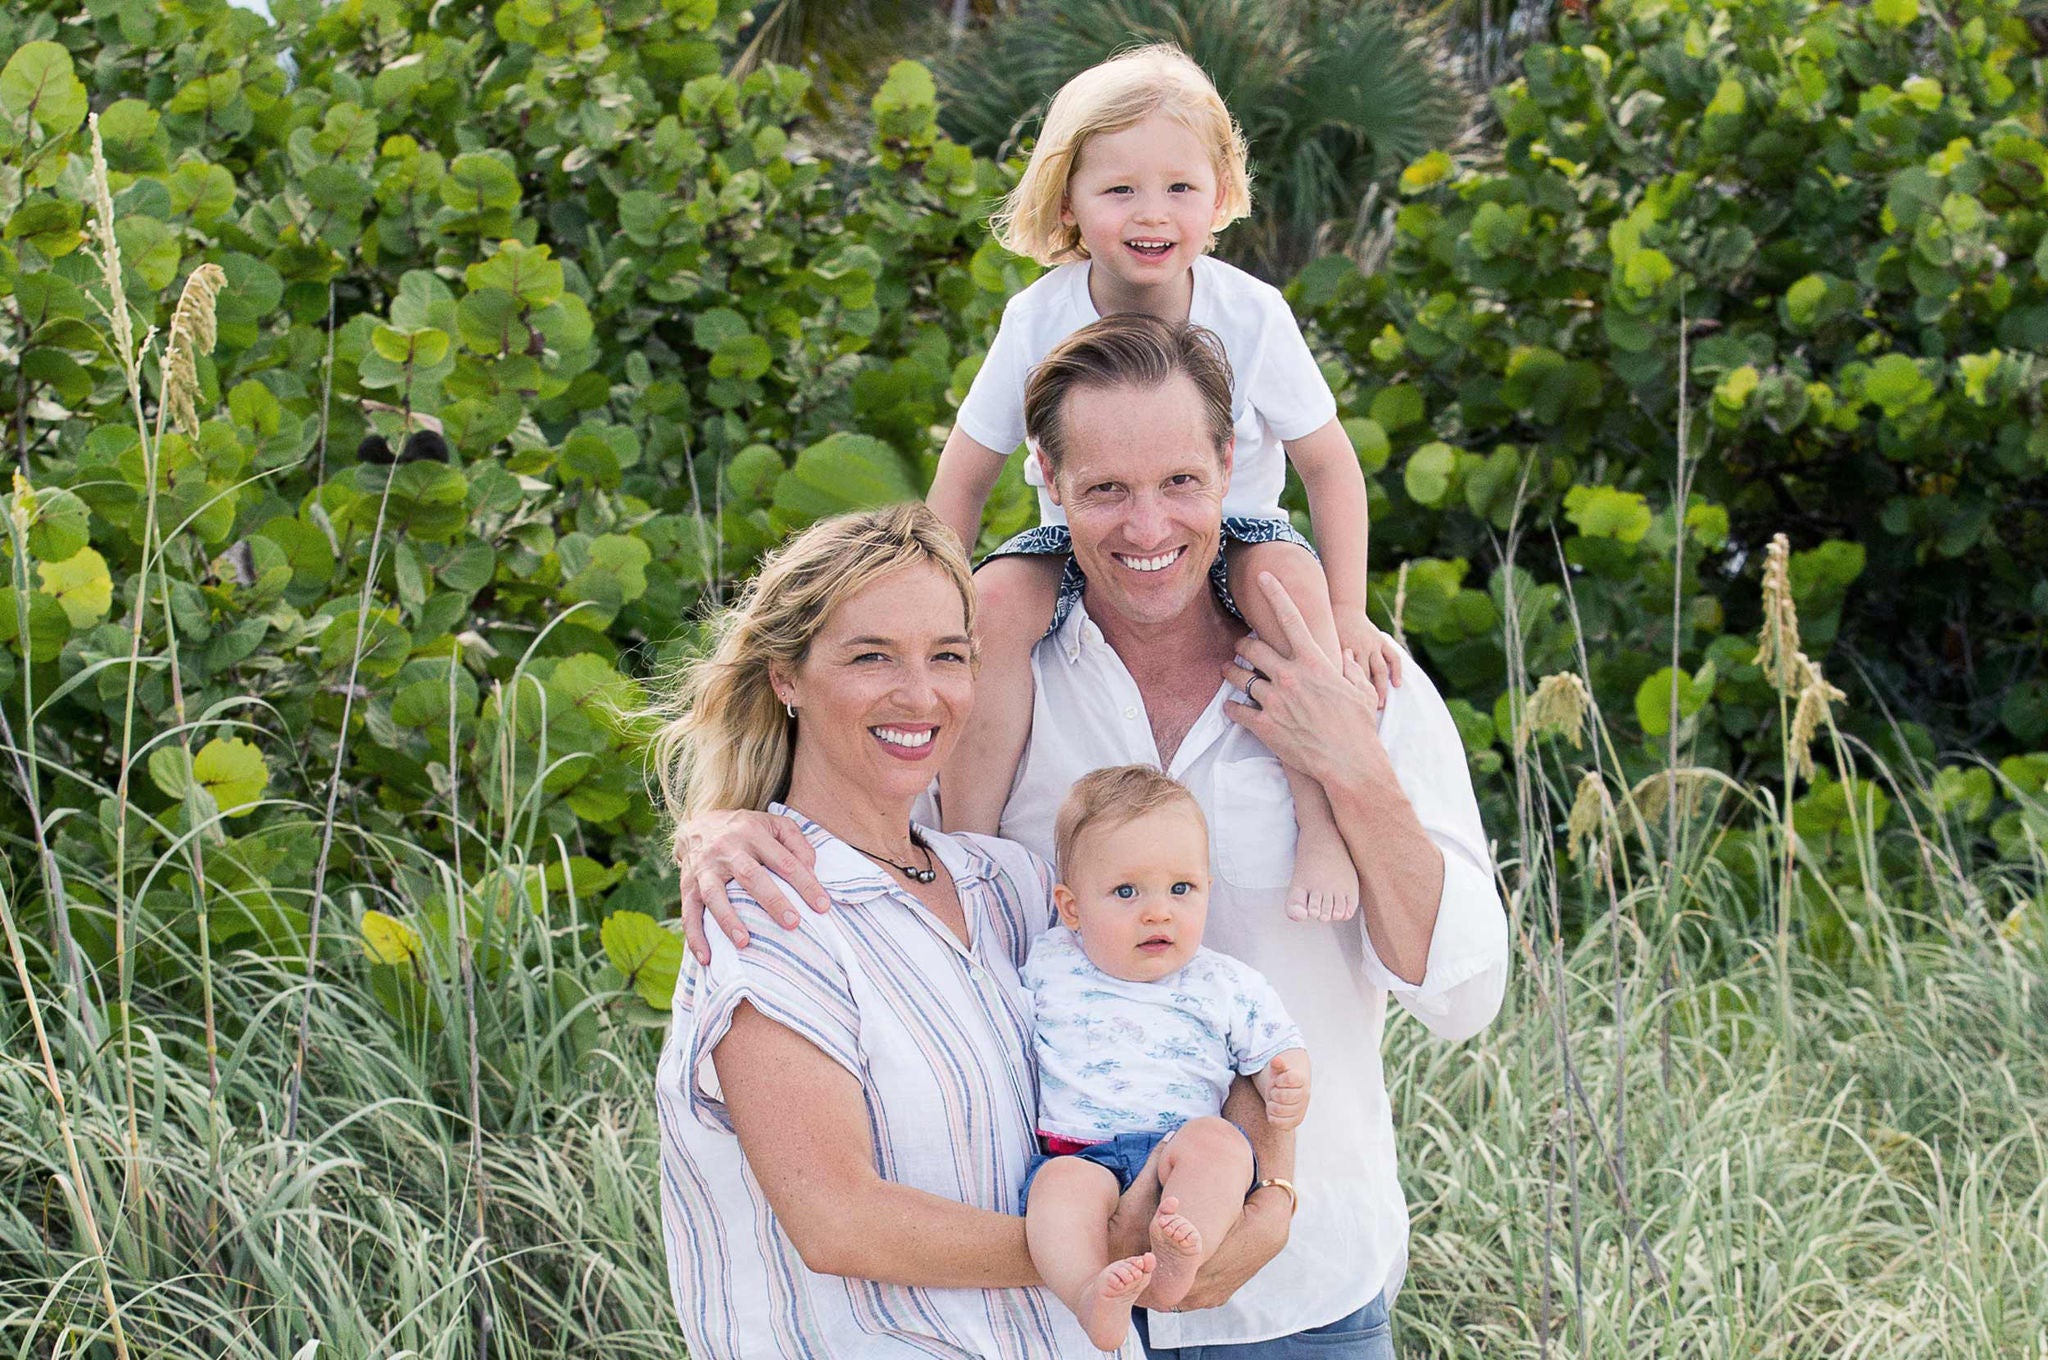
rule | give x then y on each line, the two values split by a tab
233	771
81	584
386	939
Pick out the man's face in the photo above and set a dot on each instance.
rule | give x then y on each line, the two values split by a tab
1142	483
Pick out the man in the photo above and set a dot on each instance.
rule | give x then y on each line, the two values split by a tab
1130	417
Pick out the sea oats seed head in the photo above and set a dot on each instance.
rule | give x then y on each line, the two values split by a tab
1592	814
107	250
1816	704
1654	793
193	332
1777	641
1557	708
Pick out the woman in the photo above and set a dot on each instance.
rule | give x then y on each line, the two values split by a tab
847	1108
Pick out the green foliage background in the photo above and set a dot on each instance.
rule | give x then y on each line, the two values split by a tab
660	327
658	330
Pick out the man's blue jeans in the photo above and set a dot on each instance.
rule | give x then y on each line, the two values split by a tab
1367	1334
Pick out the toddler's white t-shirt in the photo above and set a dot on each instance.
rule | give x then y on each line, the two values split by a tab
1276	391
1116	1056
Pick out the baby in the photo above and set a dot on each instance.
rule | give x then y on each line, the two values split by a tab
1139	1032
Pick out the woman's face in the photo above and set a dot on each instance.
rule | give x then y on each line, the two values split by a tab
887	685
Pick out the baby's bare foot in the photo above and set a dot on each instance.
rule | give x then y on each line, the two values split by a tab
1325	885
1105	1306
1177	1244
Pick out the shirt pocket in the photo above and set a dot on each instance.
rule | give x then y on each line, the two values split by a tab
1254	828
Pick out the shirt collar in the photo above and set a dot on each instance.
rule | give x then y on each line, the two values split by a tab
850	877
1076	629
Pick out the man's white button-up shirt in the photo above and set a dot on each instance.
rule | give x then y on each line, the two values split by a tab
1350	1239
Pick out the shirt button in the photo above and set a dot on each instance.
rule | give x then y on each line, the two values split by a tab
1130	713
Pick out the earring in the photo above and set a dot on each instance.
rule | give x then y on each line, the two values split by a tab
791	707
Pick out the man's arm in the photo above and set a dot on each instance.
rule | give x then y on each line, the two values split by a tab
1262	1229
1435	928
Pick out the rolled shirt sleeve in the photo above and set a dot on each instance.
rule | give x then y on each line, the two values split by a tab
790	976
1467	971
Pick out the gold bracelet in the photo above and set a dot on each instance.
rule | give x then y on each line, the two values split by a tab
1293	1199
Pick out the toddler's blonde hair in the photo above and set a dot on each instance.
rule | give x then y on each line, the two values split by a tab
1121	92
1113	797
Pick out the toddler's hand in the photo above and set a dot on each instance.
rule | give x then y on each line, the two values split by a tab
1284	1084
1373	648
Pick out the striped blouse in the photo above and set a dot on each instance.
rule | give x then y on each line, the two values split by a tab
940	1038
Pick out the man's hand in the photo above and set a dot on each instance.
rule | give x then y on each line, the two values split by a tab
1260	1234
1315	716
1284	1084
720	848
1361	637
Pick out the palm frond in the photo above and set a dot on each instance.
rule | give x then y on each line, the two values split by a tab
1334	96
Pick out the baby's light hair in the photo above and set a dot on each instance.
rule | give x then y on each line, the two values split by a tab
1113	797
1119	93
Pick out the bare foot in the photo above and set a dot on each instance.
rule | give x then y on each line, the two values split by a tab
1105	1306
1177	1244
1325	885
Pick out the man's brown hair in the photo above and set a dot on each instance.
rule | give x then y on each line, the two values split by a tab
1129	348
1115	796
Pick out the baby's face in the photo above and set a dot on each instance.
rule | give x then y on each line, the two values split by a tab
1137	893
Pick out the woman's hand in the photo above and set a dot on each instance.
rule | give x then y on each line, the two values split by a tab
1315	716
716	849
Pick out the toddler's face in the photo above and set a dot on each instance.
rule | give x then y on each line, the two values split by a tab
1137	893
1144	199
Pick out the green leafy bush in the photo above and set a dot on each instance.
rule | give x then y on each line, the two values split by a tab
1846	210
623	323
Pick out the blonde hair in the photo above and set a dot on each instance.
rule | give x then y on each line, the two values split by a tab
1118	93
1134	349
1113	797
726	742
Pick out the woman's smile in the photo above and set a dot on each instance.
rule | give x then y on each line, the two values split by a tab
907	741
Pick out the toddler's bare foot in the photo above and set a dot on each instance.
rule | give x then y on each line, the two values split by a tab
1325	885
1177	1244
1105	1307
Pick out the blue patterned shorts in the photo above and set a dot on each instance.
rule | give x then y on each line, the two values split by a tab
1053	540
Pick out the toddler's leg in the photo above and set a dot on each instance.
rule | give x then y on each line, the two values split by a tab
1066	1225
1016	597
1325	885
1204	1172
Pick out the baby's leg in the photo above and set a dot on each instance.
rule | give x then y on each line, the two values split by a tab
1205	1171
1066	1225
1016	597
1325	885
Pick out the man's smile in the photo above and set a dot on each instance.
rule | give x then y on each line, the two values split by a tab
1159	562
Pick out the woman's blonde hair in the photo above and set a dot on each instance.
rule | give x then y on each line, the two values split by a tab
726	742
1117	94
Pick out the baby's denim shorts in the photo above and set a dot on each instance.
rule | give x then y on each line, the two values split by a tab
1053	540
1125	1155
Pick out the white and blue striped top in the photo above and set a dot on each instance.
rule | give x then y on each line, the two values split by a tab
940	1038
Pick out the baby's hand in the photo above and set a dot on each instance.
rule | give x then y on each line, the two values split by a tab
1374	649
1284	1084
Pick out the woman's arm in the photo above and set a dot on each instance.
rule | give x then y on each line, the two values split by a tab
815	1161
